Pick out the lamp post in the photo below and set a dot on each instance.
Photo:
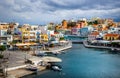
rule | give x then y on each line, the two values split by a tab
5	66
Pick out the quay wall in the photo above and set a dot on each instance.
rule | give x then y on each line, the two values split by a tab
15	68
101	47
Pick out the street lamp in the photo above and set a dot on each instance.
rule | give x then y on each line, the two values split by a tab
5	66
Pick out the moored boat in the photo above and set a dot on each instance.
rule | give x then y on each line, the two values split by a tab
31	68
56	68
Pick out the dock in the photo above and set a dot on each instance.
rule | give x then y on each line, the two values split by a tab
23	72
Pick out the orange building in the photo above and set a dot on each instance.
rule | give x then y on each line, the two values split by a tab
111	37
64	24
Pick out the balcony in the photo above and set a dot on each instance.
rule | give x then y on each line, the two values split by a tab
32	34
26	37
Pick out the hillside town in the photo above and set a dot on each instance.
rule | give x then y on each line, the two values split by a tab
31	40
94	29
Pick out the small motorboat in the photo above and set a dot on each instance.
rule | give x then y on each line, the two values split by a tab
31	68
114	50
41	54
63	52
56	53
56	68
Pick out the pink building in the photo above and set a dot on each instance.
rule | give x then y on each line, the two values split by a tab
75	31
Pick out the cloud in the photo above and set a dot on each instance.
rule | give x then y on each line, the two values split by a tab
45	11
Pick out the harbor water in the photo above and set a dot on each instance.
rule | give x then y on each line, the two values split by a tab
81	62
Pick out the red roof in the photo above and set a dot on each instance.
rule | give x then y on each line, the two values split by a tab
56	32
95	33
113	35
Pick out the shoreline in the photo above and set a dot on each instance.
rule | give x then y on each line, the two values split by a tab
23	72
100	47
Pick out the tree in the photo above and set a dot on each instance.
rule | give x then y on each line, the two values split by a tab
2	48
95	22
90	23
71	24
62	38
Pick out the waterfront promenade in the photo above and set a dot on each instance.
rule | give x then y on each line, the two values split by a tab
96	46
57	48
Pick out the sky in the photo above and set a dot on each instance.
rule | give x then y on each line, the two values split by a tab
46	11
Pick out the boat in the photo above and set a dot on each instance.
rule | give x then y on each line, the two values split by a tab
56	68
56	53
63	52
41	54
31	68
114	50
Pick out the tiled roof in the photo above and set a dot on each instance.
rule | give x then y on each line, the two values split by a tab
113	35
95	33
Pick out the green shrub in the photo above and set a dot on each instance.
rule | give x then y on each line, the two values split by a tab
2	48
62	38
1	56
51	45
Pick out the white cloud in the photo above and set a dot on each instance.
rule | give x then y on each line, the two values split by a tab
39	11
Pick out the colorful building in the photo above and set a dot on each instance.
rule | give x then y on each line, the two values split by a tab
64	24
43	34
111	37
93	35
43	38
5	34
28	34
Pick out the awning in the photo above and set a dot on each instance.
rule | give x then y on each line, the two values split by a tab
25	44
54	42
63	41
116	41
103	41
51	59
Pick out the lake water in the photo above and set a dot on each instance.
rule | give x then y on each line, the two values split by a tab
81	62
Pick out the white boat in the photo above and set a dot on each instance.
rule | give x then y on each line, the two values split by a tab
40	53
56	52
115	50
56	68
31	67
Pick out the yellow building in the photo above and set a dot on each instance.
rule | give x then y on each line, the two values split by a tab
25	35
111	37
43	38
28	34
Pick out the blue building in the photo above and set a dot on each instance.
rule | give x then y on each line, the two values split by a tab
84	31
